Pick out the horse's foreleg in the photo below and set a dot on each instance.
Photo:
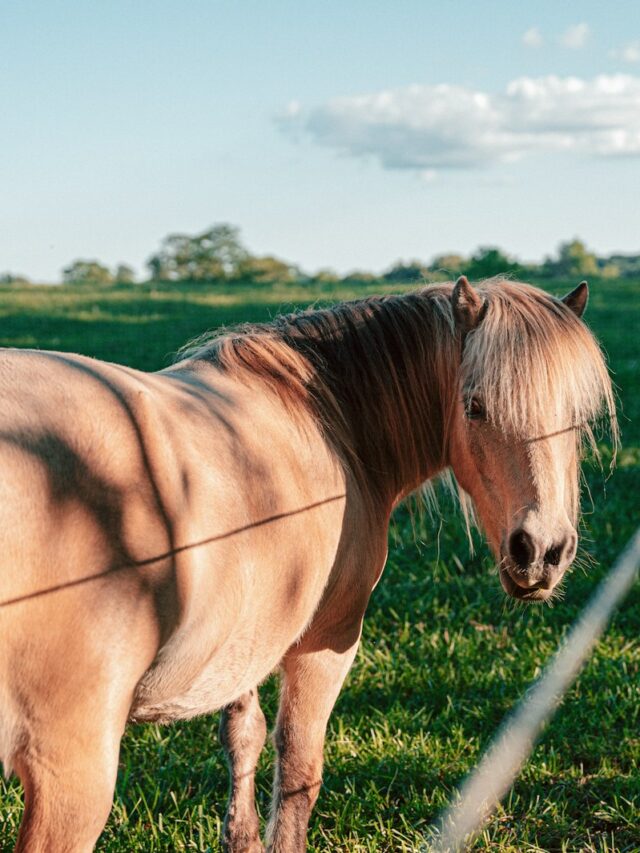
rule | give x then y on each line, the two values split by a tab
243	730
68	772
311	683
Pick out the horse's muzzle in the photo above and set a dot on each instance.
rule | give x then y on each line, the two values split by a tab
530	592
530	571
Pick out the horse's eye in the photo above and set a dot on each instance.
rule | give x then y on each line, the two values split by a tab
475	409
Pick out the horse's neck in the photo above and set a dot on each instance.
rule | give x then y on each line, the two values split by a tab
388	369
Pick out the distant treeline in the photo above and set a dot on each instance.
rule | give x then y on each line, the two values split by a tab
218	255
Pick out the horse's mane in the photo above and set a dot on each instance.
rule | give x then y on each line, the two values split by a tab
381	375
360	368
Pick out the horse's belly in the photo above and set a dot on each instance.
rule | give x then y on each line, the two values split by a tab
181	685
237	630
222	679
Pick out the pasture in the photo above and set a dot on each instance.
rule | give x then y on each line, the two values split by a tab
444	654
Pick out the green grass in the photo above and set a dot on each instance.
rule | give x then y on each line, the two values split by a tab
444	656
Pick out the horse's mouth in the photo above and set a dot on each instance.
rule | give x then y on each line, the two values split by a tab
528	594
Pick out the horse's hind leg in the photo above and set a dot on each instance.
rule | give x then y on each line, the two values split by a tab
311	683
243	730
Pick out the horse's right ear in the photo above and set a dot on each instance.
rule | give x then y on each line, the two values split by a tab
468	306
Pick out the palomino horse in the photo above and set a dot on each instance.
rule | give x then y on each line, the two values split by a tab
171	538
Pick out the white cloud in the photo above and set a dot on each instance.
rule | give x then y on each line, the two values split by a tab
629	53
532	37
427	128
576	36
428	175
292	109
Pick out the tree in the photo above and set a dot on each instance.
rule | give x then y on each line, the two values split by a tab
359	277
222	242
406	273
574	261
488	261
11	278
158	268
450	264
86	272
124	274
326	276
607	269
266	270
213	254
628	266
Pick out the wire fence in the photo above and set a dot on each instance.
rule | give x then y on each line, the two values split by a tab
514	741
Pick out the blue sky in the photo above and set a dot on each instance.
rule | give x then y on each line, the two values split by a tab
336	134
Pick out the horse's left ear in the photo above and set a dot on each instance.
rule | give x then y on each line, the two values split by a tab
577	299
468	305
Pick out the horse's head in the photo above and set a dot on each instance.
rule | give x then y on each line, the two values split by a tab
532	379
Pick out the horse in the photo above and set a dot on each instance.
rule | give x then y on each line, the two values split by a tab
172	538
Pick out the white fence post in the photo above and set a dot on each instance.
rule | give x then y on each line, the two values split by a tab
501	763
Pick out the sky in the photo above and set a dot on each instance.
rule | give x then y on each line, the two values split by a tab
346	134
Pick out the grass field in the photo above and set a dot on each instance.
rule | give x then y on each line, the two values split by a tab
444	656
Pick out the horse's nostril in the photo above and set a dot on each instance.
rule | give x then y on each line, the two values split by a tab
563	552
554	555
521	549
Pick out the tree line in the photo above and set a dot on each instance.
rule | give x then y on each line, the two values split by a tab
219	255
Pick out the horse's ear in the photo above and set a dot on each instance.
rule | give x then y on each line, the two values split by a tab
577	299
468	306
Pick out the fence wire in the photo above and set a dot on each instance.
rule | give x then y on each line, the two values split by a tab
514	742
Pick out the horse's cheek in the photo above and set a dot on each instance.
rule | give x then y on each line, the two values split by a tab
468	461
